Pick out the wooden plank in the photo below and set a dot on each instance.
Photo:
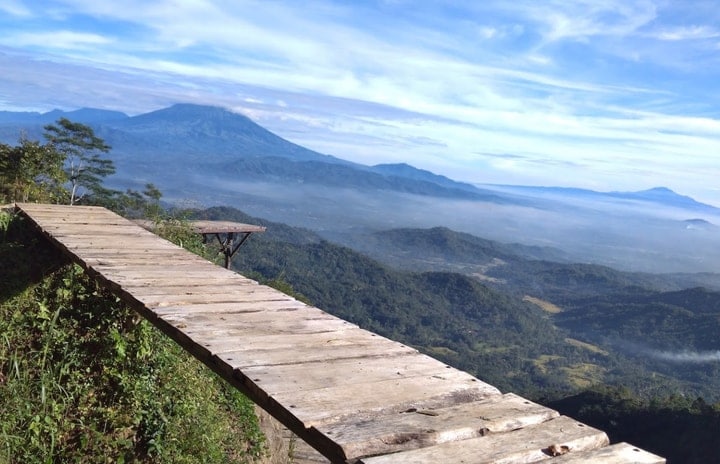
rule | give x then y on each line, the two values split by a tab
168	276
213	227
101	233
227	309
210	227
182	274
124	265
241	327
193	287
529	444
374	435
336	372
187	271
262	346
435	389
284	349
125	246
101	230
70	212
137	284
58	220
253	293
167	272
66	209
148	266
125	261
619	453
87	247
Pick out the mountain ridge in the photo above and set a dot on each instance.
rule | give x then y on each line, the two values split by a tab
211	156
189	129
660	194
210	137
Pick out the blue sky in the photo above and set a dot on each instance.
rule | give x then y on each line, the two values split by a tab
601	94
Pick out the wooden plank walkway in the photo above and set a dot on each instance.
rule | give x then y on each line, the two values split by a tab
351	394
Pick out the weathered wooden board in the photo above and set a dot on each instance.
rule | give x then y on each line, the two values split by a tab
317	379
242	326
201	272
309	376
348	392
265	347
222	227
227	309
529	444
159	301
620	453
143	282
56	221
278	350
434	390
420	428
192	287
119	260
126	245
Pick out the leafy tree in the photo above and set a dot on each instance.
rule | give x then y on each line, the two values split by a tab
81	148
31	171
133	204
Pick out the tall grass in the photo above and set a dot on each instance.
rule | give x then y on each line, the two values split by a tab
84	379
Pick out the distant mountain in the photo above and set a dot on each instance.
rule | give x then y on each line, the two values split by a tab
85	115
207	132
698	224
658	195
172	146
440	248
539	271
665	196
406	171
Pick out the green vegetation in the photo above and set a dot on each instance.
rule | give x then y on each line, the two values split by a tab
69	169
679	428
31	172
84	379
451	316
80	149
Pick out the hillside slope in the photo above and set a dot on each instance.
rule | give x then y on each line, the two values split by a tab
488	329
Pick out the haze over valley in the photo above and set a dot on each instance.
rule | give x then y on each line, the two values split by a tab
205	156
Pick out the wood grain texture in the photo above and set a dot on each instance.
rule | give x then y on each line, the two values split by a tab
353	395
619	453
417	428
529	444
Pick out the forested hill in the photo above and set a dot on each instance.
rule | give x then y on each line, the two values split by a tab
510	335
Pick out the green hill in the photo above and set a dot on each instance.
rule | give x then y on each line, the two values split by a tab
490	330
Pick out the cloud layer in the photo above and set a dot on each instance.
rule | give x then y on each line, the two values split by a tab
607	94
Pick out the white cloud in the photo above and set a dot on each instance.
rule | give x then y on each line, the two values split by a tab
15	8
494	76
55	40
687	33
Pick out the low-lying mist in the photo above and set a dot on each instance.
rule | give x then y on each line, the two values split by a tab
625	234
679	356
